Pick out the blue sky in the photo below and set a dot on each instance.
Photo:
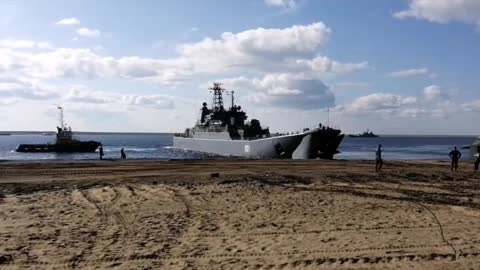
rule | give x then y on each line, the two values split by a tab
396	67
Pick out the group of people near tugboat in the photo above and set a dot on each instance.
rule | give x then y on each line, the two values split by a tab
454	155
101	153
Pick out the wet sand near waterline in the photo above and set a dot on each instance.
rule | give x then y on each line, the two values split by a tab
255	215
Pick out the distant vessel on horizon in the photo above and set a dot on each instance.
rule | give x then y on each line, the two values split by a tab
5	134
226	132
365	134
64	143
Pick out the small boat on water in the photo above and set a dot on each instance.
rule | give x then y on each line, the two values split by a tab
5	134
65	142
365	134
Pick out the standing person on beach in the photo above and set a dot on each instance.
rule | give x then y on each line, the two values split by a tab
455	155
100	152
122	153
378	159
477	161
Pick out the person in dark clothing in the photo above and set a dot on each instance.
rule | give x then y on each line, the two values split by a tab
477	161
378	159
100	152
455	155
122	153
205	112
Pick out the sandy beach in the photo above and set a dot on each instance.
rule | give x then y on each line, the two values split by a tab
252	215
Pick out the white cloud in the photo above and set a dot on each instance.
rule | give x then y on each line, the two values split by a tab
284	90
283	65
24	44
409	72
443	11
88	33
86	96
7	101
376	102
390	106
281	3
433	92
324	64
290	49
68	21
473	106
260	48
81	94
17	44
153	101
11	87
440	112
445	109
85	63
44	45
413	113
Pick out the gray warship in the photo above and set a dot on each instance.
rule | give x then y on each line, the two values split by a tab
365	134
227	132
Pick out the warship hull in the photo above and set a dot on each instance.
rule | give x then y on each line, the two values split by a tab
78	147
307	145
319	144
273	147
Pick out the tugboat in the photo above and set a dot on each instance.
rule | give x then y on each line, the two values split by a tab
226	132
65	142
365	134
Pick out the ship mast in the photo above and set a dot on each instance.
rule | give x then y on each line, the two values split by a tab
328	116
60	117
217	96
233	98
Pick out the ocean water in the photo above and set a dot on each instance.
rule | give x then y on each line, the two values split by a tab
159	147
136	147
404	147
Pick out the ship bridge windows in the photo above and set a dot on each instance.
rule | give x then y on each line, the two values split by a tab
216	123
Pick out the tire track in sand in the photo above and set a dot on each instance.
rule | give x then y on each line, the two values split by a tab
108	211
361	260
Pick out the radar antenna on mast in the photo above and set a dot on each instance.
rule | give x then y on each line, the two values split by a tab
217	96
